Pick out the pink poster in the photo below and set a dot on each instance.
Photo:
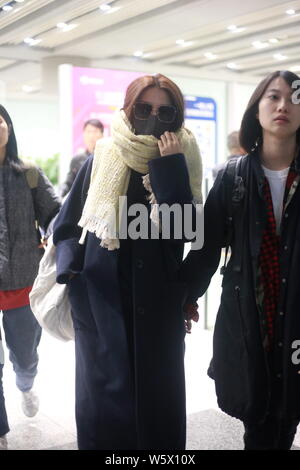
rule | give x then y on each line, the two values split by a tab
96	94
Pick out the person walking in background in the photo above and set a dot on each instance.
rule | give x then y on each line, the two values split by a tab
234	149
257	330
127	303
22	203
92	131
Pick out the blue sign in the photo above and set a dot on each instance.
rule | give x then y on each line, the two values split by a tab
197	107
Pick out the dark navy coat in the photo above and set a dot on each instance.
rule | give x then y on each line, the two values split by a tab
127	308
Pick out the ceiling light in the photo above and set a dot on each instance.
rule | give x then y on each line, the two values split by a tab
183	43
232	27
27	88
290	12
19	1
233	66
280	56
210	55
273	40
295	68
32	41
259	44
105	7
61	25
238	30
7	8
69	27
138	53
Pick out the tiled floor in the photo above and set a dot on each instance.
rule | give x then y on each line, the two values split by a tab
54	427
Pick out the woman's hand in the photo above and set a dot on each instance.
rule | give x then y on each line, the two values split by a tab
190	314
168	144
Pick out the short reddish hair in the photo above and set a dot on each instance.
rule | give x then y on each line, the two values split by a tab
136	88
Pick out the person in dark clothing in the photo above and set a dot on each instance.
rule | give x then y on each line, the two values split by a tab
127	303
92	131
26	198
235	150
258	324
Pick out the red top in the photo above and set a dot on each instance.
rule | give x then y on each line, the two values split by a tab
14	298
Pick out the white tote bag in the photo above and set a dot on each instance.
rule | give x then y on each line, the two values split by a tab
49	300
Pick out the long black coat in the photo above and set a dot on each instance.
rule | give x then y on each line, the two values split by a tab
129	324
240	366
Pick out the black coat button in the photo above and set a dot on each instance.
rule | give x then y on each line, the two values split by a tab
139	263
140	310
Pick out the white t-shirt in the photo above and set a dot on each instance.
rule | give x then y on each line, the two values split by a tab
277	182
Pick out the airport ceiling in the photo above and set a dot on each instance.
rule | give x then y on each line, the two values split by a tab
223	39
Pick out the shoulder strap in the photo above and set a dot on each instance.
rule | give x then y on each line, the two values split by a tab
234	193
32	177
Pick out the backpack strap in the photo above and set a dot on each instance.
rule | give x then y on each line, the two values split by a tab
234	194
32	178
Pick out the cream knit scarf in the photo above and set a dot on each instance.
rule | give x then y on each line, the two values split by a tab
114	158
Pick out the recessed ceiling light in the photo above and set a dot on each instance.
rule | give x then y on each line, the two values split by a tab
279	56
61	25
19	1
290	12
138	53
7	8
273	40
238	30
295	68
232	27
105	7
233	66
184	43
27	88
210	55
32	41
259	44
69	27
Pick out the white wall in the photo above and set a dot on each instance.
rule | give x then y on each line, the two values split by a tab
36	125
238	95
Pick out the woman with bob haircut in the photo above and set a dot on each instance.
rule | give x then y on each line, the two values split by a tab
126	299
26	198
256	344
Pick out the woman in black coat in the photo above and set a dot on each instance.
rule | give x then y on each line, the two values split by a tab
255	362
127	302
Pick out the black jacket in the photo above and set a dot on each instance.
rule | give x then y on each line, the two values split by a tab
240	365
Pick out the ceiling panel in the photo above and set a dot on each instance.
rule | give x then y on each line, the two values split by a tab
144	35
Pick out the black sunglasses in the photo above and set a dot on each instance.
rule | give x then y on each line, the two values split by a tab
165	113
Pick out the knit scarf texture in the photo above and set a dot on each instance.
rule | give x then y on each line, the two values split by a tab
113	160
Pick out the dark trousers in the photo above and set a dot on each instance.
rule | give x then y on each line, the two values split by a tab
22	337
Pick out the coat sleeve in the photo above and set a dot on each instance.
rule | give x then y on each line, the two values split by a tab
169	179
46	202
200	265
66	234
